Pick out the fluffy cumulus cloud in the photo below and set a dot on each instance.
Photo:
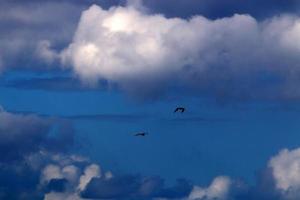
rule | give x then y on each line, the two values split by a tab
219	189
286	172
36	160
91	185
235	56
74	177
279	181
92	171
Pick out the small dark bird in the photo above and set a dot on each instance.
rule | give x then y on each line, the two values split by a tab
181	109
141	134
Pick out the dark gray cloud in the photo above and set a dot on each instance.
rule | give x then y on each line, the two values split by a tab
21	135
52	84
18	181
27	142
28	27
188	8
110	117
128	117
135	187
56	185
225	8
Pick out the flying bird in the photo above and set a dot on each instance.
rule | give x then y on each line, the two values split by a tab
141	134
181	109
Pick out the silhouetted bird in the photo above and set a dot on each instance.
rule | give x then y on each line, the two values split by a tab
181	109
141	134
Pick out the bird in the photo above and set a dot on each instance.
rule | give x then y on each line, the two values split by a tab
181	109
141	134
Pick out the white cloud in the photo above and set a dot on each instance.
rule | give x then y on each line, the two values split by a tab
142	51
138	4
219	189
108	175
123	43
62	196
91	171
51	172
44	52
71	173
286	172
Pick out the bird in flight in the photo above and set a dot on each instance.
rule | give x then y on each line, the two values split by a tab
141	134
181	109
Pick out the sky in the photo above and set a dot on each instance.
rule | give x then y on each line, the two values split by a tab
79	78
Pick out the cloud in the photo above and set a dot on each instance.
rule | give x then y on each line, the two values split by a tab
51	172
145	54
1	64
137	4
44	52
21	135
219	189
57	185
126	47
58	83
38	174
61	196
90	172
118	187
110	117
135	187
93	185
285	169
35	164
218	9
29	31
278	181
28	144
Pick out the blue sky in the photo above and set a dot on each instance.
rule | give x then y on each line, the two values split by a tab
79	78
